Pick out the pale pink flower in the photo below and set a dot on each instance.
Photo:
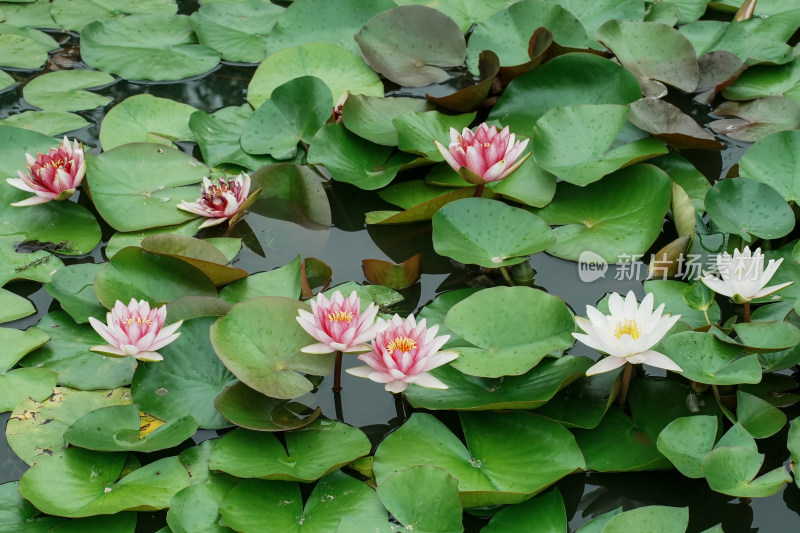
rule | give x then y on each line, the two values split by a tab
135	330
52	176
221	200
487	153
338	325
403	353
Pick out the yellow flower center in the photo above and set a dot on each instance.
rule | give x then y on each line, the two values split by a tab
340	316
404	344
487	144
628	327
138	320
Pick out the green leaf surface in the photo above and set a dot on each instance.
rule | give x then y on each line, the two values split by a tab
146	118
283	281
706	359
416	131
237	29
749	209
686	441
370	117
73	287
218	136
250	409
63	90
759	418
13	306
75	14
46	122
198	253
23	383
773	162
732	470
652	518
440	512
544	513
670	293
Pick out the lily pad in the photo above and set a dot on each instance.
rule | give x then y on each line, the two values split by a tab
527	391
370	117
20	515
706	359
187	381
766	80
6	81
620	215
200	254
157	48
143	177
517	327
259	340
123	240
64	90
686	441
310	453
408	44
283	281
771	161
75	14
34	14
294	193
17	385
759	418
732	470
671	125
19	51
559	82
582	143
583	402
544	513
85	477
486	233
37	266
758	118
46	122
416	131
440	511
314	59
747	208
671	294
68	354
250	409
13	306
146	118
652	518
767	336
73	287
487	471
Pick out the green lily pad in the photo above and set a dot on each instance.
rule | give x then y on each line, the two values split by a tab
758	118
559	82
310	453
652	52
732	470
769	336
19	51
544	513
218	136
73	287
686	441
416	131
255	502
85	477
17	343
202	255
351	159
13	306
766	80
620	215
508	32
63	90
68	354
46	122
283	281
250	409
295	111
146	118
314	59
653	518
75	14
6	81
793	441
259	340
157	48
158	279
597	524
759	418
294	193
30	15
408	44
21	515
485	232
117	428
507	459
17	385
405	194
749	40
770	161
187	381
143	177
236	29
35	430
594	15
670	293
748	208
440	512
706	359
36	266
370	117
121	240
527	391
582	403
517	327
582	143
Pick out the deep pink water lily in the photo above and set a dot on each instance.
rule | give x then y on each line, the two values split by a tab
135	330
338	324
51	176
489	154
220	200
403	353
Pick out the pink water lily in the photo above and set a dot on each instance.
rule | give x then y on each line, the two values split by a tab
135	330
403	353
52	176
221	200
487	153
338	324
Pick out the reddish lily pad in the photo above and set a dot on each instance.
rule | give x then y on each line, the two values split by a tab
671	125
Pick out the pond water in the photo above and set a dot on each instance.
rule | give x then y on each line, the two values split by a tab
365	404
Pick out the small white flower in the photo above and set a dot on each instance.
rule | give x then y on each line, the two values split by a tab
628	334
743	275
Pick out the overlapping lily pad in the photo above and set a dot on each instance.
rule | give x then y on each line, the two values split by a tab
200	254
250	409
218	135
441	512
46	122
544	513
371	117
146	118
22	383
13	306
758	118
748	208
771	161
73	287
75	14
706	359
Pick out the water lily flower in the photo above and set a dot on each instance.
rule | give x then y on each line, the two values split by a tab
135	330
221	200
628	334
403	353
338	324
489	155
743	275
52	176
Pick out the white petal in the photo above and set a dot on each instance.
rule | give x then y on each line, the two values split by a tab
318	348
606	364
426	380
658	360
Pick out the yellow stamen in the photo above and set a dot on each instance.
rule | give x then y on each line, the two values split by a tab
404	344
628	327
340	316
138	320
487	144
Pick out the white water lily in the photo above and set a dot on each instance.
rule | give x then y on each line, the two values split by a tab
743	276
628	334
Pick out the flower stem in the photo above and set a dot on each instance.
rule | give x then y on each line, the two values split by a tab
337	373
478	191
626	381
708	320
506	276
747	311
399	406
337	404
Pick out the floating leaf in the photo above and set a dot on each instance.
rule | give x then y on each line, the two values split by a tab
732	470
652	518
544	513
759	118
370	117
766	80
705	359
583	402
250	409
417	131
63	90
440	511
718	69
13	307
36	266
469	98
771	161
75	14
686	441
19	51
748	40
749	209
672	295
283	281
46	122
758	417
198	253
146	118
671	125
73	287
396	276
